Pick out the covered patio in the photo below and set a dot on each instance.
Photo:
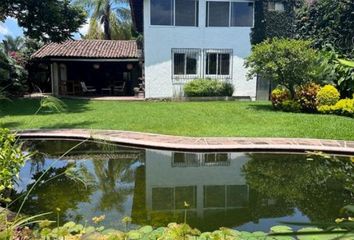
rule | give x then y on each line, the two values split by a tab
93	68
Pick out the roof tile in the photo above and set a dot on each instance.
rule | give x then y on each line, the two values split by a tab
89	49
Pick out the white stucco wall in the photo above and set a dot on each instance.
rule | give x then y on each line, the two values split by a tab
160	40
161	174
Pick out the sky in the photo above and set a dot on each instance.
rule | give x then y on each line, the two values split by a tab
10	27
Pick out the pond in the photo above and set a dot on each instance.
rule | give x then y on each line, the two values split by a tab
244	191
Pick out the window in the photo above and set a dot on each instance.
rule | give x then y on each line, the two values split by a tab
162	12
186	13
218	14
185	62
174	12
242	14
276	6
217	63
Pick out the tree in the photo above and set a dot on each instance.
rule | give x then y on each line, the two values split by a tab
119	31
13	44
328	22
318	185
105	12
46	20
287	62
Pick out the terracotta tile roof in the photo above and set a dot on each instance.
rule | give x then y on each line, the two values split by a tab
89	49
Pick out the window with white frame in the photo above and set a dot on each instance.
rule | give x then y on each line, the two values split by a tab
185	62
218	63
174	12
276	6
230	13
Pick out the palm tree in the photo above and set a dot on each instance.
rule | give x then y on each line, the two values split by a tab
13	44
103	10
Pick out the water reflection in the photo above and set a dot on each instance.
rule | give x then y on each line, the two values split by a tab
246	191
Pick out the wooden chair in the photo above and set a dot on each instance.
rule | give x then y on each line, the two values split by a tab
119	87
87	89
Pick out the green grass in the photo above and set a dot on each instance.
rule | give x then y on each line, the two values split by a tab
244	119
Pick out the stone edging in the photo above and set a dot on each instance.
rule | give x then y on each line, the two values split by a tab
178	143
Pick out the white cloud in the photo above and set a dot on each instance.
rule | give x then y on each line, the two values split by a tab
4	30
83	30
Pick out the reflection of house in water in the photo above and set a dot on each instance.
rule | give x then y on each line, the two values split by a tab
211	183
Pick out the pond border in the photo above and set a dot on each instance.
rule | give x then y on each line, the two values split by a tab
206	144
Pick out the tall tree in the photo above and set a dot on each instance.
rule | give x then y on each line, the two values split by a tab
46	20
108	13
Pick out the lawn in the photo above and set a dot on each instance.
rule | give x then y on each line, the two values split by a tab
244	119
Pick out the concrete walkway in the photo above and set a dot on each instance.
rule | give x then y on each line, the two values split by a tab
196	144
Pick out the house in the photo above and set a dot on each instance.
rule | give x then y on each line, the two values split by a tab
188	39
182	40
91	67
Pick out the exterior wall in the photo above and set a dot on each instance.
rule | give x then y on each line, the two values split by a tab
159	166
160	40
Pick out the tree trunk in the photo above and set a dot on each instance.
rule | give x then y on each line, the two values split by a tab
106	23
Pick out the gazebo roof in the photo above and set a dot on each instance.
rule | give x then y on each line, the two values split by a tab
108	49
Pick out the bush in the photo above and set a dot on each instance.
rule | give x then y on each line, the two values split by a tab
208	88
307	97
291	106
278	96
344	107
287	62
12	160
328	95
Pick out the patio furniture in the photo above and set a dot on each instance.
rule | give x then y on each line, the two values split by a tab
119	87
87	89
106	90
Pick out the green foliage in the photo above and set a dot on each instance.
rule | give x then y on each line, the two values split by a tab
346	63
327	95
270	24
112	14
13	76
46	20
52	104
286	62
340	72
344	107
208	88
307	97
291	106
278	96
12	160
328	22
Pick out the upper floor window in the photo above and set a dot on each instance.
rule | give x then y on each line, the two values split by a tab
276	6
174	12
218	14
242	14
225	14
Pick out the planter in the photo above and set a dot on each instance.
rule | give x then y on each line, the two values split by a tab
140	94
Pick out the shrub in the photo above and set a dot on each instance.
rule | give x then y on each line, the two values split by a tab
278	96
287	62
307	97
11	161
328	95
291	106
208	88
344	107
